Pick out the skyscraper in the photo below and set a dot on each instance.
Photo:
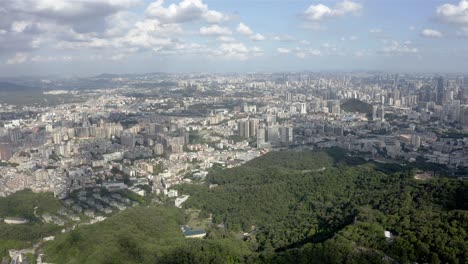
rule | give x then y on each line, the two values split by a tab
440	91
253	123
5	151
382	114
244	130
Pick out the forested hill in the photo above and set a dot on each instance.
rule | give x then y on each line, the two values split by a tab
298	211
290	207
355	105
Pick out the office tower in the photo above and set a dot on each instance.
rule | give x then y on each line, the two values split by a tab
374	112
440	91
158	149
5	151
49	128
243	127
253	123
271	119
57	137
82	132
416	141
127	139
382	114
303	108
15	135
286	134
260	136
273	134
155	128
177	148
426	94
336	109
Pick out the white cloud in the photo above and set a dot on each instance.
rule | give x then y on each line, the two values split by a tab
362	53
283	50
321	12
257	37
39	58
70	9
463	32
301	55
119	23
307	52
450	13
375	31
20	26
350	38
185	11
314	52
237	51
226	39
18	58
117	57
215	30
244	29
147	34
285	38
431	33
395	47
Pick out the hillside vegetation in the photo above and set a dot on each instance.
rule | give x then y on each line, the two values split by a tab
355	105
338	214
142	235
23	204
290	207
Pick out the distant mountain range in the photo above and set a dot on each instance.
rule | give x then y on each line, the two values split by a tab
11	87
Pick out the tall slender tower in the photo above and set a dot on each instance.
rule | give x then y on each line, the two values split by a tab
440	91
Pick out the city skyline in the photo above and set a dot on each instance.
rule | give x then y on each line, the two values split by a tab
82	38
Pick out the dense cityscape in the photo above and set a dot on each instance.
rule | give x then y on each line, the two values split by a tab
193	122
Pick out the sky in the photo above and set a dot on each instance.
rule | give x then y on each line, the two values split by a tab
89	37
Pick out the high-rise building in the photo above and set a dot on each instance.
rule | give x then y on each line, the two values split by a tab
382	114
440	91
416	141
273	134
286	134
158	149
127	139
155	128
253	123
303	108
374	112
260	136
244	130
5	151
57	137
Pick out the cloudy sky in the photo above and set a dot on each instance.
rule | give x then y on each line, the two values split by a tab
86	37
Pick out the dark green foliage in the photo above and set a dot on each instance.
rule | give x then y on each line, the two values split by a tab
306	160
141	235
355	105
339	214
22	204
